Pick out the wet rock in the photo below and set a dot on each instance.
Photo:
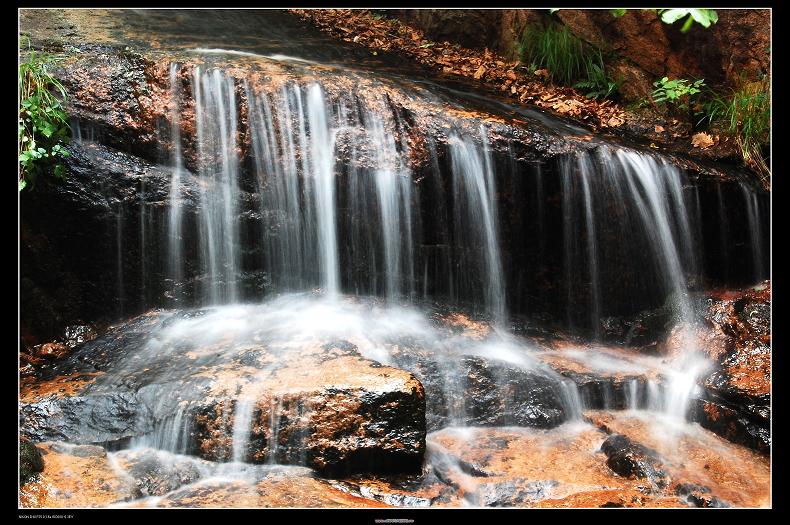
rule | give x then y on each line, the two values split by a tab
80	451
733	423
559	467
518	492
30	461
698	495
412	492
76	335
644	329
157	473
497	395
737	337
76	477
480	391
101	418
372	418
52	351
691	457
633	460
282	488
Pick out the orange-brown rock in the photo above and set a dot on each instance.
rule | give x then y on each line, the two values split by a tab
336	413
52	351
275	491
76	476
691	455
737	337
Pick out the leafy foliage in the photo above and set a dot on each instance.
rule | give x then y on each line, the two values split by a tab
678	92
597	83
704	17
568	59
745	114
43	123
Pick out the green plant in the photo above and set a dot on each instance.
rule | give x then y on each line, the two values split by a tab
746	115
678	92
598	84
556	49
704	17
43	123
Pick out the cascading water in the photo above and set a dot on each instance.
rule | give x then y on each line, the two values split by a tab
216	123
294	135
326	183
475	214
174	260
370	275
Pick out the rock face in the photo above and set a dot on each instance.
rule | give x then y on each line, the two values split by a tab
76	476
737	43
322	405
345	415
737	404
696	465
89	476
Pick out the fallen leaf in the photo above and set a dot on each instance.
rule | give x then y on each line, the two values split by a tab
614	122
702	140
659	129
480	72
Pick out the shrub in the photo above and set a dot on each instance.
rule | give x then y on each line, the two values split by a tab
43	124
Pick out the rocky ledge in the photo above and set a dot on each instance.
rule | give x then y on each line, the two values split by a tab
736	335
323	406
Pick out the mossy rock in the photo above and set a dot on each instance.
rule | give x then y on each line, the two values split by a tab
30	462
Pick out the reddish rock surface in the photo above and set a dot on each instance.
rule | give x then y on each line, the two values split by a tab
690	455
738	43
339	413
76	476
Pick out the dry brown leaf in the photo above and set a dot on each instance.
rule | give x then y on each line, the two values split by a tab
614	122
480	72
659	129
702	140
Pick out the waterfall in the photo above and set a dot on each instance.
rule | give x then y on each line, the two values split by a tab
752	205
242	419
475	213
340	207
174	261
216	123
322	171
579	169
